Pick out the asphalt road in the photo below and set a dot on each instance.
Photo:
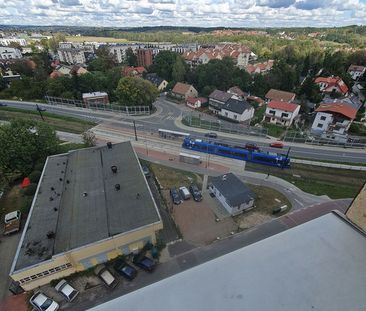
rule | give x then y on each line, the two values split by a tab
168	112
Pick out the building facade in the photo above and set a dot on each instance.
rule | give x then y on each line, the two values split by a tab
183	91
217	99
144	57
281	113
95	98
9	53
237	110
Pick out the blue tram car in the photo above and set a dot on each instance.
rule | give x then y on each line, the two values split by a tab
237	152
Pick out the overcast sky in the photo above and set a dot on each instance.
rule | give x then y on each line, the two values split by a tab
205	13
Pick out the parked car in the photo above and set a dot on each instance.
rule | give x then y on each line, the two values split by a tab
211	135
276	144
175	196
145	263
43	303
251	146
146	171
66	290
184	193
106	276
3	105
124	269
196	193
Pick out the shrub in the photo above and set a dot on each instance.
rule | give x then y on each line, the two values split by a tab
31	189
35	176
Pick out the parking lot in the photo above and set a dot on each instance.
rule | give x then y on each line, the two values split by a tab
197	222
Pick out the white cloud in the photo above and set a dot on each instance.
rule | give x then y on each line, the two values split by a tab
236	13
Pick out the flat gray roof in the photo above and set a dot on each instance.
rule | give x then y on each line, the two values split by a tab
78	202
319	265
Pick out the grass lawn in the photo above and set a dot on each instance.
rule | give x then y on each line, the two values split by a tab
14	199
59	123
170	177
335	183
267	199
95	39
274	130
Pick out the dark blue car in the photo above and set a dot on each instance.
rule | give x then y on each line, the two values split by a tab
145	263
124	269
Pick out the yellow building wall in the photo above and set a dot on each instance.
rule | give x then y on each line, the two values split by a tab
111	247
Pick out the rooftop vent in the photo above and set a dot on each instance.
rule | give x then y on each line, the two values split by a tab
117	186
224	177
52	188
85	194
109	145
114	169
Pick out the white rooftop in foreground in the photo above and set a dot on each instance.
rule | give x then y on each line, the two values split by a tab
319	265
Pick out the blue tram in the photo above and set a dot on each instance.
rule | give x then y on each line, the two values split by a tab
236	152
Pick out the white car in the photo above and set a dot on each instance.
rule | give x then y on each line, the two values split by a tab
42	303
66	290
106	276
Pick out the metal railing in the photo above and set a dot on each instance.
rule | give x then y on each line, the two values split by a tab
199	120
128	110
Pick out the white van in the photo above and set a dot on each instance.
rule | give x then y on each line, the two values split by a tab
185	194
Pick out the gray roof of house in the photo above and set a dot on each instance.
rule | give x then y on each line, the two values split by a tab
233	189
220	96
319	265
154	79
237	106
77	201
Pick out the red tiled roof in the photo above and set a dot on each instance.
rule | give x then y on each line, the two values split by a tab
333	81
340	108
285	106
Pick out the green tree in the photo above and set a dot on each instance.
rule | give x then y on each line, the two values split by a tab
178	70
133	91
55	40
23	144
163	64
2	84
310	91
131	58
89	139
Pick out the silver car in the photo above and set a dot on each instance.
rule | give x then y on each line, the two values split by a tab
43	303
66	290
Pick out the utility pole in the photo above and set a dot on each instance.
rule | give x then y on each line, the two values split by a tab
134	127
40	112
288	152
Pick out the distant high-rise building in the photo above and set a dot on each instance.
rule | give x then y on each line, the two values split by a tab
144	57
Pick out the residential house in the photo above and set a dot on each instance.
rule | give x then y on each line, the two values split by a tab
333	120
217	99
237	110
239	94
95	98
259	67
128	71
196	102
183	91
160	83
279	95
239	53
232	193
331	84
281	113
356	71
9	53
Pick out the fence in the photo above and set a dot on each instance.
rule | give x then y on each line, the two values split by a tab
298	137
129	110
197	120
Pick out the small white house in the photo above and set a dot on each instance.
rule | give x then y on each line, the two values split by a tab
237	110
232	193
281	113
196	102
356	71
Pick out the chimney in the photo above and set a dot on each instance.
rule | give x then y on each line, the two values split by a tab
117	187
114	169
109	145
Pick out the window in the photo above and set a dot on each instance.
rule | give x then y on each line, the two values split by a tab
320	125
322	118
235	116
272	111
284	115
226	114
